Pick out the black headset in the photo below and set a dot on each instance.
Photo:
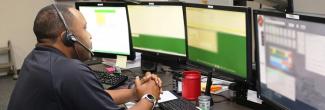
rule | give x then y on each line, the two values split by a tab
69	38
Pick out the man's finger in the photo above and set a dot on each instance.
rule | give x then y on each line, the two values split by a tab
146	78
161	91
160	82
148	73
137	82
154	77
157	80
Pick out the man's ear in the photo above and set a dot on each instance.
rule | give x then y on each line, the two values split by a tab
61	35
62	38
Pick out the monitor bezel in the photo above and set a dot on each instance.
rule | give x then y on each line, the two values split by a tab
247	12
272	13
131	56
181	59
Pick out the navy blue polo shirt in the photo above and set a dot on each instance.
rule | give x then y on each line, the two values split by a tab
50	81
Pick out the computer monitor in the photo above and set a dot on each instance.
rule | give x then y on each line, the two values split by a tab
291	62
158	28
107	23
219	37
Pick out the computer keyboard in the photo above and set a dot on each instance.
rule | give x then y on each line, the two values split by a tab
177	104
111	80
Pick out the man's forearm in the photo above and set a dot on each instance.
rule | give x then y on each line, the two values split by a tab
122	95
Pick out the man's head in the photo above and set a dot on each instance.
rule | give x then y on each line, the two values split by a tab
50	30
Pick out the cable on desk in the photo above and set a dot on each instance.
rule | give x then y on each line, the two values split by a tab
129	71
132	75
225	98
220	101
166	85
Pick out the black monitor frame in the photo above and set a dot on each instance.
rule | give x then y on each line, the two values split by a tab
131	56
224	74
168	59
302	17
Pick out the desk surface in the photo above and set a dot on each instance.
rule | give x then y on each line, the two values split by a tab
166	77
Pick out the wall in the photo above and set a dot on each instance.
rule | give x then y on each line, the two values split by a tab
212	2
304	6
3	43
3	39
17	17
309	6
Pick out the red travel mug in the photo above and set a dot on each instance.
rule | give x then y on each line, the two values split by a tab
191	85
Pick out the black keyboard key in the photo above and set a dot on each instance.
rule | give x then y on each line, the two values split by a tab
177	104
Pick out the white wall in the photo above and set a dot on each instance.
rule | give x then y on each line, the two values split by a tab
17	17
221	2
3	43
212	2
304	6
309	6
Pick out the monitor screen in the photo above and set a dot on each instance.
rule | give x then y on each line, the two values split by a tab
108	25
218	38
291	60
158	28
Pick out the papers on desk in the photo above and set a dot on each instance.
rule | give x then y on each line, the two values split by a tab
252	96
215	89
217	86
121	61
166	96
216	81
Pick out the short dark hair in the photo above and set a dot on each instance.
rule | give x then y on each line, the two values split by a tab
48	25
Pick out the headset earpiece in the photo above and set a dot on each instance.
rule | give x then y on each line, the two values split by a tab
69	39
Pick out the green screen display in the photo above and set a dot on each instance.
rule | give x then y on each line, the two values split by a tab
158	29
217	38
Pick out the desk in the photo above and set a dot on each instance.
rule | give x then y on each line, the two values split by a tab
166	77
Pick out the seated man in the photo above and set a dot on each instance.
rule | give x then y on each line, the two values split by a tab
54	78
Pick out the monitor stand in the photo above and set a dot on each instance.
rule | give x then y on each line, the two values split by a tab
239	87
147	65
208	88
